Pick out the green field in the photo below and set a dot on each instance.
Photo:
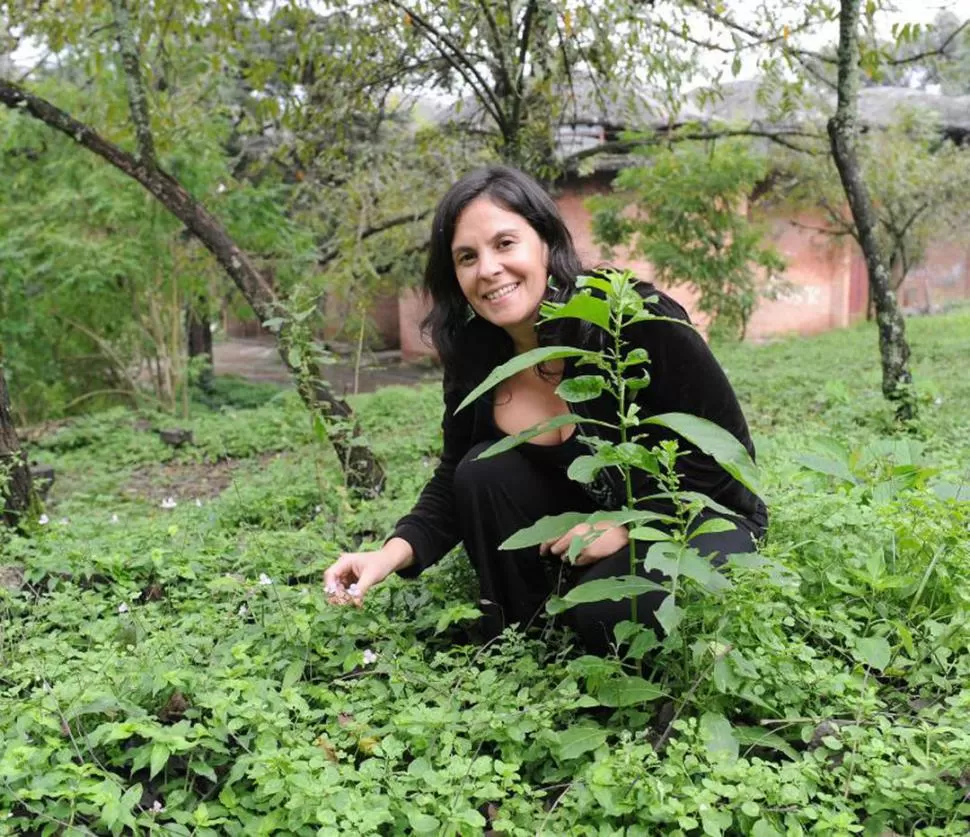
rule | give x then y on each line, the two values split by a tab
178	670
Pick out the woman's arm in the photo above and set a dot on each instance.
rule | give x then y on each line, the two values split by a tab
431	527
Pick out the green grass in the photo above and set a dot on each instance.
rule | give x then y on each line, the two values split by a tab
150	683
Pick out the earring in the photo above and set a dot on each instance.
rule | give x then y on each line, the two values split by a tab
469	313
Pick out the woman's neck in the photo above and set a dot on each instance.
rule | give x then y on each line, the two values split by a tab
524	338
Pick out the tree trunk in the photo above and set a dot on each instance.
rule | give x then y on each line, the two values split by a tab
199	332
843	135
15	482
363	472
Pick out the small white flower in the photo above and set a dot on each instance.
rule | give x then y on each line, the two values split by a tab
43	520
114	518
938	400
265	579
317	509
221	188
157	807
243	610
198	502
369	657
354	591
169	503
122	608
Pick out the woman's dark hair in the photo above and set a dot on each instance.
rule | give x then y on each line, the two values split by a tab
470	347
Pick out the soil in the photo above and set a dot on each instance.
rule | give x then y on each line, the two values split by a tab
186	481
256	359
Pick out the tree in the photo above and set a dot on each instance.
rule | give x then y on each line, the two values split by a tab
689	221
796	77
16	490
144	166
843	129
919	184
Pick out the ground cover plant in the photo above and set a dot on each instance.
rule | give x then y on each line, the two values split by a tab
168	663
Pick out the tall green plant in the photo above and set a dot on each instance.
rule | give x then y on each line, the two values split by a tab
611	302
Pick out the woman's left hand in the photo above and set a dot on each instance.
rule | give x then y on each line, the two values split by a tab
613	538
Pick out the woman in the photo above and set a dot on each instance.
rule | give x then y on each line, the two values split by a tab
498	249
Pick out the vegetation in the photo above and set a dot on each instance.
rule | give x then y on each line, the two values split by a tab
176	668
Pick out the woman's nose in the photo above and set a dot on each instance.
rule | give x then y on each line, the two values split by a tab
488	264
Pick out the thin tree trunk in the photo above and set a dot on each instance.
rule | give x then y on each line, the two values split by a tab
843	135
17	490
199	332
363	472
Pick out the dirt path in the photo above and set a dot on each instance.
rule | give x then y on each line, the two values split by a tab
256	359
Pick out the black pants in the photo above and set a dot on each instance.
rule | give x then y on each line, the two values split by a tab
498	496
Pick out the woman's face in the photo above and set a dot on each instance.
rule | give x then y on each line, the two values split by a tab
501	264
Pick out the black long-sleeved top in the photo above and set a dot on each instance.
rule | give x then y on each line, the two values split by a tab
685	378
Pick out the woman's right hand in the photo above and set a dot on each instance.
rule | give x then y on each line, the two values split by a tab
354	573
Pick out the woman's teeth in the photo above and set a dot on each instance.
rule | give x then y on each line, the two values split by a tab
504	291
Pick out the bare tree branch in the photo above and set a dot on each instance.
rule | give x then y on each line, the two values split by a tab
331	253
664	135
461	63
137	100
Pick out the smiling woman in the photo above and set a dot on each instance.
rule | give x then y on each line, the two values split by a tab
499	248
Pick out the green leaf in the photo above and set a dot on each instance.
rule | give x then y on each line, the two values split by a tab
649	533
556	525
582	306
510	442
159	759
545	529
715	524
669	615
585	468
615	589
715	441
758	737
581	388
293	674
874	651
573	742
423	823
516	365
627	690
826	465
718	735
763	828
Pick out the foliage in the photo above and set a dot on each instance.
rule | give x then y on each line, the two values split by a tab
919	185
685	211
247	707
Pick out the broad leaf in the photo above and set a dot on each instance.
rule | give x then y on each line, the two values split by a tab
627	690
669	615
573	742
649	533
516	365
874	651
758	737
825	465
582	306
585	468
615	589
715	441
581	388
556	525
717	733
511	442
715	524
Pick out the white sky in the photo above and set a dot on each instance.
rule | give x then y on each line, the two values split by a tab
746	11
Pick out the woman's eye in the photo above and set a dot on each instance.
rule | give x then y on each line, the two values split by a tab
504	243
466	258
